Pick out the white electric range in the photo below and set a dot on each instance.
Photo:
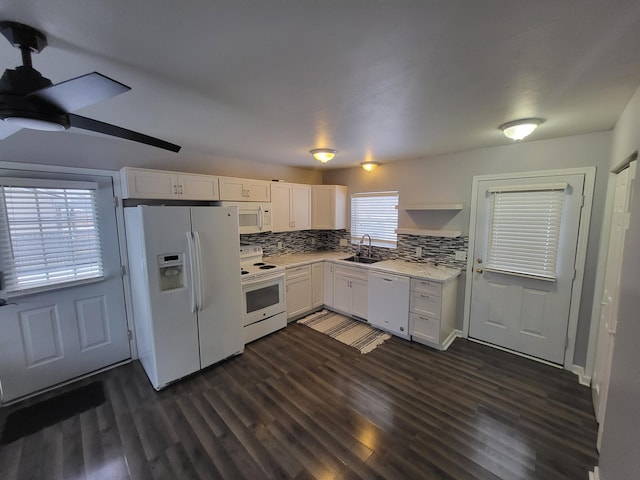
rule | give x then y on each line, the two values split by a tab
264	307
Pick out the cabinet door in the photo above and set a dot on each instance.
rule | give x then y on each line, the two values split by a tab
323	207
198	187
342	297
298	295
301	206
232	189
328	284
257	191
281	207
317	284
142	183
359	289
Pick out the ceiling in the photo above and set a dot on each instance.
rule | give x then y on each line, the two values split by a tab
267	80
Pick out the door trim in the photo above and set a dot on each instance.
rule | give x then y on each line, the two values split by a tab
602	261
581	250
122	241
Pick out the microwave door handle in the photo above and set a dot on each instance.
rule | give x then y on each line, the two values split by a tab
260	219
192	266
199	264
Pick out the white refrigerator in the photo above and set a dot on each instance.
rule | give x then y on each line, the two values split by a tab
184	268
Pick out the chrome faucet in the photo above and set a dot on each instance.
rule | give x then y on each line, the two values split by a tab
361	241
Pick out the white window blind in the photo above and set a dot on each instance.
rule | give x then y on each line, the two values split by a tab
376	214
524	231
49	235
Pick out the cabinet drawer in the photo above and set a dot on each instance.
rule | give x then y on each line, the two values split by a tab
423	304
425	286
424	328
294	272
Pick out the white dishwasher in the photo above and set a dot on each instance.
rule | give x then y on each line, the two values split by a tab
389	303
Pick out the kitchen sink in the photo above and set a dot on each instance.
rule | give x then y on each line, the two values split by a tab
359	259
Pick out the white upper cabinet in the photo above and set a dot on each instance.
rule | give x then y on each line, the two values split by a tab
160	184
244	190
329	207
290	206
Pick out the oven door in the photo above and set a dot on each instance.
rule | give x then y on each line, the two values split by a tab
262	297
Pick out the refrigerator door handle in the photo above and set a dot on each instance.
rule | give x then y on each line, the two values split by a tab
192	268
199	264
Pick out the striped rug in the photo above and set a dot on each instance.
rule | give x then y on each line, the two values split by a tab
356	334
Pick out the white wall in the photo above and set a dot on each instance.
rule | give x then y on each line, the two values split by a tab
619	459
448	179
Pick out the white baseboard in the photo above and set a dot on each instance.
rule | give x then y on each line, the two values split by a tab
582	378
595	475
449	340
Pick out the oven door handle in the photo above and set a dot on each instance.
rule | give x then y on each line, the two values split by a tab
258	281
192	266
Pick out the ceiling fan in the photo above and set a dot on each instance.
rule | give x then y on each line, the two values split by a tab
29	100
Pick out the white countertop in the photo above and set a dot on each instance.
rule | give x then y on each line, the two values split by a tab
425	271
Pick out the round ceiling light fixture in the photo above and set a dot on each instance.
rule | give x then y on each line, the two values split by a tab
323	154
370	166
519	129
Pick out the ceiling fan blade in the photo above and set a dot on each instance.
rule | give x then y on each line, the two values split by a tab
7	130
79	92
108	129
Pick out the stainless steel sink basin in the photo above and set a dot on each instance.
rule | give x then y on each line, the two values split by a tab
359	259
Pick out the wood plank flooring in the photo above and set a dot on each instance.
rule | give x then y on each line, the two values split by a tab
300	405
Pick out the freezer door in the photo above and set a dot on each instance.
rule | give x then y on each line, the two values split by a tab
215	230
173	327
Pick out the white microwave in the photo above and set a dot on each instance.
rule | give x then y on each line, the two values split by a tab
253	217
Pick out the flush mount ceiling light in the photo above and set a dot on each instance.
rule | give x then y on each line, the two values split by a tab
519	129
370	166
323	154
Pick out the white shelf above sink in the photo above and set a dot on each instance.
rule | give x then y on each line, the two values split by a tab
429	233
433	206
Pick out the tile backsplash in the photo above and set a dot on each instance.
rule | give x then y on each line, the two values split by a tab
438	250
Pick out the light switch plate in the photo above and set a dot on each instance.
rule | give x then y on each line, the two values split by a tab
343	242
279	245
461	255
418	252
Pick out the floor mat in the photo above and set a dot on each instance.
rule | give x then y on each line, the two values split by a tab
350	332
33	418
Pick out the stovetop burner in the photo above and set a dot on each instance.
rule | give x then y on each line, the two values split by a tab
266	267
258	264
243	272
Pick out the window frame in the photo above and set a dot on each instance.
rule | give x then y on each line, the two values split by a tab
377	240
10	284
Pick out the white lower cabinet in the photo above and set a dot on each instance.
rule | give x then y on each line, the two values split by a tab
432	312
350	291
317	285
298	290
328	283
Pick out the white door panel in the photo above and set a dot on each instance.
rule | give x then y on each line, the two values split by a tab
52	337
611	294
527	315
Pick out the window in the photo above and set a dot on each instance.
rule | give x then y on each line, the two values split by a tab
524	230
49	235
376	214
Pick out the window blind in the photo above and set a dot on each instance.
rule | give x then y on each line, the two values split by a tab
376	214
49	236
524	232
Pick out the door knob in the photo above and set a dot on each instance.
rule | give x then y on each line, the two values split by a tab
479	270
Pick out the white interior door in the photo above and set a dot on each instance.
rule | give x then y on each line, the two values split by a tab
526	313
50	337
611	293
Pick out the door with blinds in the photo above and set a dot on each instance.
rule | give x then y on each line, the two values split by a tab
60	264
526	236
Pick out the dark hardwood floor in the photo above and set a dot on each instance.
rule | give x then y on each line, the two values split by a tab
298	404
